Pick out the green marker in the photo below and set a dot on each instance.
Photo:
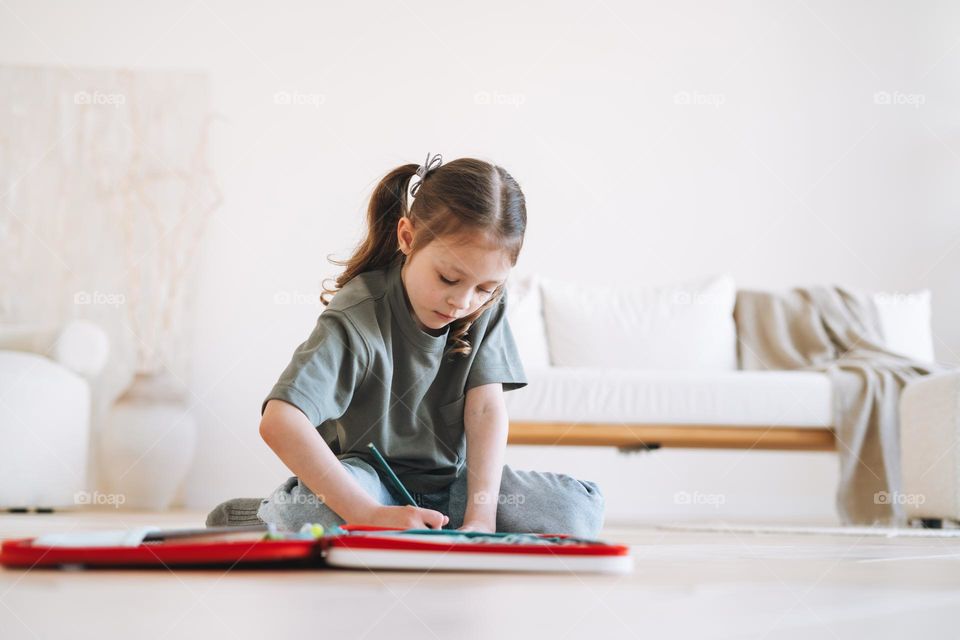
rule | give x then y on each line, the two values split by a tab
391	475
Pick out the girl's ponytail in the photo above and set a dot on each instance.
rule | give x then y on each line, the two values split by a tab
380	246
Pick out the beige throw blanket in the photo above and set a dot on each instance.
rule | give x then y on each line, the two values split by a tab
837	331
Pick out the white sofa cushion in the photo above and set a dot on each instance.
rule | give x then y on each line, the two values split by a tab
683	327
734	398
525	315
905	323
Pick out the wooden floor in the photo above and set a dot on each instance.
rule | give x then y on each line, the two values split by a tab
686	584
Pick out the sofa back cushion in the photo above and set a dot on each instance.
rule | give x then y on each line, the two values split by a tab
905	323
667	328
904	320
525	315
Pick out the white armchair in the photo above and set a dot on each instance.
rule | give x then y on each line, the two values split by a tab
45	412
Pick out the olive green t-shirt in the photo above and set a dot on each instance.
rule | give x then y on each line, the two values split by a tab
369	373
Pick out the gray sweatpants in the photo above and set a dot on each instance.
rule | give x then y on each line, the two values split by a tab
529	502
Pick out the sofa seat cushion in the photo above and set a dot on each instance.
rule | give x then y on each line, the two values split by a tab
729	398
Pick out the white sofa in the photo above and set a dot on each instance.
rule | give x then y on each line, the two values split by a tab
638	368
45	405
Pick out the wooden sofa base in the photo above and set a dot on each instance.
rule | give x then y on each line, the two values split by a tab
648	436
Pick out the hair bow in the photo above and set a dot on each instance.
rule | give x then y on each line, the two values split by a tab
428	165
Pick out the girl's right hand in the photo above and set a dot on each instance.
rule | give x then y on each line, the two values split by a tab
406	517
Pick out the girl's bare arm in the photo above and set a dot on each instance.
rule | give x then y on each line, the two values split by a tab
295	440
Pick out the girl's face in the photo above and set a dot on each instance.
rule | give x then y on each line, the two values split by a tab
449	278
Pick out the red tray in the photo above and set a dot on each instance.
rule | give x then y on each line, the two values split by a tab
366	550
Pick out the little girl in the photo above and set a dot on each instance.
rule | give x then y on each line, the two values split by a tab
413	354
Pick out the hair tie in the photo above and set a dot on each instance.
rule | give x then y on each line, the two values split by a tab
428	165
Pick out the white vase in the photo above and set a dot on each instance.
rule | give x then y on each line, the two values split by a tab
148	444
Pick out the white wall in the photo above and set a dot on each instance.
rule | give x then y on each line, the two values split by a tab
781	170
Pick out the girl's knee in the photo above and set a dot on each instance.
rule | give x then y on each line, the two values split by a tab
293	504
552	503
586	513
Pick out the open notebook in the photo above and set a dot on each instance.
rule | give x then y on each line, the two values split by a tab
350	546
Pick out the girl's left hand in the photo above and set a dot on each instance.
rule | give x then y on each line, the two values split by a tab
477	526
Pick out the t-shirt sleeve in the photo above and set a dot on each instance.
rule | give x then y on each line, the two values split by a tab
497	358
324	371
